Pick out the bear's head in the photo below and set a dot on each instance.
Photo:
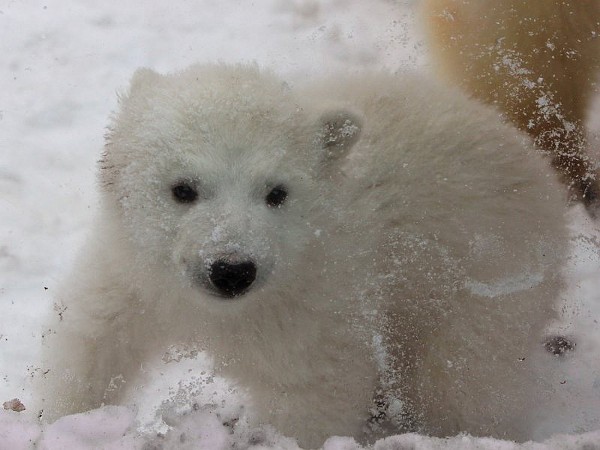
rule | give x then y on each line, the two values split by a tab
220	177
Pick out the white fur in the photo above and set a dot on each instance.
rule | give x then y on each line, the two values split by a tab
416	258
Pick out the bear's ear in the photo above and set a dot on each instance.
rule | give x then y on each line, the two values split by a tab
338	132
142	79
142	84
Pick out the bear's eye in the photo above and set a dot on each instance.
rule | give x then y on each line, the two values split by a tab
276	197
184	193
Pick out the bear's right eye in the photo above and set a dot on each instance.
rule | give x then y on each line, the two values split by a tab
184	193
276	197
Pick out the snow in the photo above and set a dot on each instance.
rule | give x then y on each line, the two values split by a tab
114	428
63	60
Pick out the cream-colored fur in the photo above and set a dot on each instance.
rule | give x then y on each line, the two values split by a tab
415	260
537	60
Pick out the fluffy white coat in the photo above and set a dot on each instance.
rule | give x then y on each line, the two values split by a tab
415	260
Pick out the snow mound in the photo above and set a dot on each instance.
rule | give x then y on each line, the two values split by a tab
117	428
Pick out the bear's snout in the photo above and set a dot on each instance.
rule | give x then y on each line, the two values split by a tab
232	279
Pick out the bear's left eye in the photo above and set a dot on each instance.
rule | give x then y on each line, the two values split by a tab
184	193
276	197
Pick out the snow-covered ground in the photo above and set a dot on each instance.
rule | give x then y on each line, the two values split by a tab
62	62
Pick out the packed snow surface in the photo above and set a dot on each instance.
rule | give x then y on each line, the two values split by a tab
63	61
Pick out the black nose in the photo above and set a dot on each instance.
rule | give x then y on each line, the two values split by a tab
232	279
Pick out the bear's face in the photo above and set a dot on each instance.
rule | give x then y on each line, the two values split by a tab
221	185
225	219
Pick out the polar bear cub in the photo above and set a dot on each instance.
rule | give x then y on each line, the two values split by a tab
366	255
